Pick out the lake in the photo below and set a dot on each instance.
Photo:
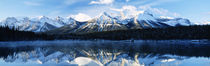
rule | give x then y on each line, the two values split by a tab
105	53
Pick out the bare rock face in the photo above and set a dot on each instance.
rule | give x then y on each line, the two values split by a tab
103	22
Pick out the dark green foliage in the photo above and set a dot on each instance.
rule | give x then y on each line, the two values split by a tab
7	34
181	32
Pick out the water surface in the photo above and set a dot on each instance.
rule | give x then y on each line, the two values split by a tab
105	53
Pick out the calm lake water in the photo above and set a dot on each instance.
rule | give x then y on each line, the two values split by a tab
105	53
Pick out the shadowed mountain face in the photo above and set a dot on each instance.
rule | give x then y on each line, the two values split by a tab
103	22
104	53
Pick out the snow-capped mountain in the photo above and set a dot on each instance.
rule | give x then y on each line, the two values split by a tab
103	22
102	52
88	57
39	24
107	22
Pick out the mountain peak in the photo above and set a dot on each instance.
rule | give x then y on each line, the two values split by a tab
104	22
102	17
26	19
70	19
42	17
146	16
58	18
148	13
11	19
105	13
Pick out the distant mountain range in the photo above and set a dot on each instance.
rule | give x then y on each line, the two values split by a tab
125	54
103	22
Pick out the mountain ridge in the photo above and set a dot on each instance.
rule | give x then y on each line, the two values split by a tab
103	22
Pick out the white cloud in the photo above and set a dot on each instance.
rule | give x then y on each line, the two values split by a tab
92	11
206	23
127	0
81	17
203	23
102	2
31	3
128	11
159	11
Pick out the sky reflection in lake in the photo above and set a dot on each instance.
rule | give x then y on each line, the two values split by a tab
108	53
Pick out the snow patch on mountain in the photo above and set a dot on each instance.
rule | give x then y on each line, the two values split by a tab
203	23
178	21
44	19
166	17
146	16
128	17
81	17
84	61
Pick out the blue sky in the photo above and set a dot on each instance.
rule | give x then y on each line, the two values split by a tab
195	10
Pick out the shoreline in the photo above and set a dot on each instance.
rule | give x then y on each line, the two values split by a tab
96	40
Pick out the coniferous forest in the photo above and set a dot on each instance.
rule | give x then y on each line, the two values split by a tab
12	34
181	32
171	33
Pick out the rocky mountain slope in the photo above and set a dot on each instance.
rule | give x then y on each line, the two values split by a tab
103	22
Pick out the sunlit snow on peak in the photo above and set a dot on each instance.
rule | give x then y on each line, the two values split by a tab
41	17
207	23
203	23
81	17
166	17
128	11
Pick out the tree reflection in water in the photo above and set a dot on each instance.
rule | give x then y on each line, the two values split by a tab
104	52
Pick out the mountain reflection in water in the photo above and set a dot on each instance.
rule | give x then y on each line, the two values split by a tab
108	53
